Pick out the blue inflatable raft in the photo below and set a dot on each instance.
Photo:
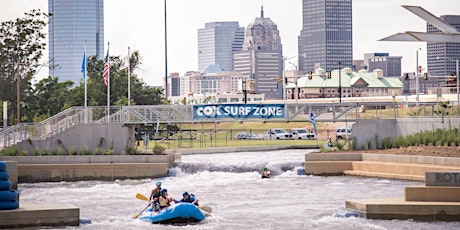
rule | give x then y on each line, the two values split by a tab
176	214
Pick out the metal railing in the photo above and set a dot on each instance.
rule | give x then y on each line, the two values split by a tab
177	114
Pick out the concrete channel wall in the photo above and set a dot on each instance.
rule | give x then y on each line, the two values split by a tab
31	169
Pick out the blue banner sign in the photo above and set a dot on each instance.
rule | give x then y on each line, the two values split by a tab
238	111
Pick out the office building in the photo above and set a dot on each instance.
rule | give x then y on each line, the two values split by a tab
262	57
216	43
326	36
442	56
390	65
72	22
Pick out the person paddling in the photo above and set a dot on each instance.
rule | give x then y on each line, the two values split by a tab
189	198
164	199
266	173
156	191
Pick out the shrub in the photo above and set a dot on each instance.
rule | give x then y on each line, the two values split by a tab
108	152
387	143
158	149
340	146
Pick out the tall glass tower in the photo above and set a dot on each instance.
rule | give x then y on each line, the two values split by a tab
72	22
326	36
216	43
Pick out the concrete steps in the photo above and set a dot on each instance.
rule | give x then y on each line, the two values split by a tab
384	175
396	170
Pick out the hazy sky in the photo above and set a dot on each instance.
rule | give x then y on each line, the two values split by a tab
140	25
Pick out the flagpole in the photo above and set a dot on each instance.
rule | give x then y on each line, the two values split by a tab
129	77
85	76
108	83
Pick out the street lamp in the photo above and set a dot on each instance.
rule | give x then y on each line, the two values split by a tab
340	84
416	77
166	57
296	90
456	79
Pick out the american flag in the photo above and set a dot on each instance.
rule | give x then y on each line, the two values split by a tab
106	73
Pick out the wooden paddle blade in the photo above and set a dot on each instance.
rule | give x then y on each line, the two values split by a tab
142	197
205	208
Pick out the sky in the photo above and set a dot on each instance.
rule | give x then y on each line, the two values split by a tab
139	24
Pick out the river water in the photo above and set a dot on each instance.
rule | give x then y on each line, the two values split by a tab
230	184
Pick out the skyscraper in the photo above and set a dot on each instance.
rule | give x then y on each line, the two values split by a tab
442	56
262	57
326	36
217	42
73	22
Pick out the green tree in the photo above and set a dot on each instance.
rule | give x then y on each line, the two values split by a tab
21	47
49	97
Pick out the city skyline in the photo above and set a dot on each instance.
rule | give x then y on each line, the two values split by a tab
372	20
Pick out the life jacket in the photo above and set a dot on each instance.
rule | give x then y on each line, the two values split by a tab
164	202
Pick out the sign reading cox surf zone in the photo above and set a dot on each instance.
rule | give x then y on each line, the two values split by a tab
238	111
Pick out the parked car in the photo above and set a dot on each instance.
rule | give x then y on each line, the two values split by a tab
302	134
277	134
341	133
247	136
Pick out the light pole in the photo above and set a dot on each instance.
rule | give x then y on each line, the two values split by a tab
340	84
416	77
456	79
296	90
166	57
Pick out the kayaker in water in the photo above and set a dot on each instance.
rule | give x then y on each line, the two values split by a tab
164	200
266	173
189	198
156	190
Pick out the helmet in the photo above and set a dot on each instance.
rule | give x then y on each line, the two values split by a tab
185	194
192	198
265	168
158	183
163	191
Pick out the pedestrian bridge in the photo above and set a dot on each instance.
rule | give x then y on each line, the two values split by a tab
178	114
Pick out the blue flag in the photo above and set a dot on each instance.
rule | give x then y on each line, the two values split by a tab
312	118
83	65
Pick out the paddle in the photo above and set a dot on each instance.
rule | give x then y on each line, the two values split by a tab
141	197
137	215
205	208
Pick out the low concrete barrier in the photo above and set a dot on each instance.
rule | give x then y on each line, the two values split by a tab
432	194
33	169
32	173
39	214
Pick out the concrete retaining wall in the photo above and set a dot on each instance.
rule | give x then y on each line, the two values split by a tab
237	149
372	132
85	137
